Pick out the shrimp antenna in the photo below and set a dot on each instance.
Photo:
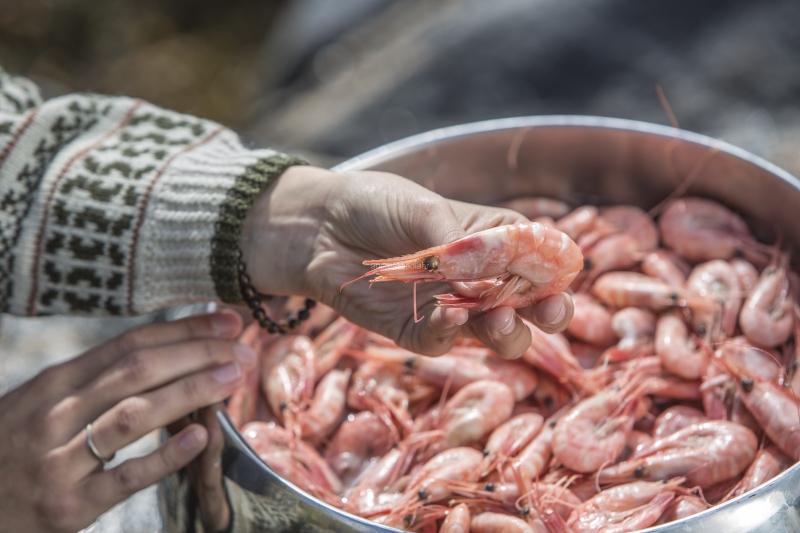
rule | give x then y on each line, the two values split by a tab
673	120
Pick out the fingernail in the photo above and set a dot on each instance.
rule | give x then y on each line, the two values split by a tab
225	324
245	354
509	327
192	440
227	372
562	311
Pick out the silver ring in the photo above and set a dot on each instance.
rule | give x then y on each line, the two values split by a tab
93	448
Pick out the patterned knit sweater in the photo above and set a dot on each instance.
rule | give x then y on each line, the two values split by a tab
110	205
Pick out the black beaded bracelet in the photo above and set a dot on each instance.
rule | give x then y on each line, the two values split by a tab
253	298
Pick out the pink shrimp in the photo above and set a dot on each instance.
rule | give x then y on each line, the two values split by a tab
768	463
716	280
460	367
550	395
551	353
772	405
701	230
756	362
630	289
330	344
536	206
471	413
624	508
678	354
578	222
591	322
291	381
509	438
666	266
637	234
635	328
293	460
327	407
532	461
502	523
528	261
675	418
595	431
361	437
766	318
706	453
377	387
457	520
683	506
637	441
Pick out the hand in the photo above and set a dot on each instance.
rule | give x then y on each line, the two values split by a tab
127	387
310	231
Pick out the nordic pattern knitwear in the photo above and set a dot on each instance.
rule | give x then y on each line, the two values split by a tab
110	205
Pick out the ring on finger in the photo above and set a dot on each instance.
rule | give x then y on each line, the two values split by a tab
93	448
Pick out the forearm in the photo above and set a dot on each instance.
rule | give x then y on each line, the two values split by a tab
114	206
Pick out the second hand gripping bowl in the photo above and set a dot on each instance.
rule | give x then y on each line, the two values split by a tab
582	161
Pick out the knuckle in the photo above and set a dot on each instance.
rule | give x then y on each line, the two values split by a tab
128	479
129	417
191	389
139	366
133	340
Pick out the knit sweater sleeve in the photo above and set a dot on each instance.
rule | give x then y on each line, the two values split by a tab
110	205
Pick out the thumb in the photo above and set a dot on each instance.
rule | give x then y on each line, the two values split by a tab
434	223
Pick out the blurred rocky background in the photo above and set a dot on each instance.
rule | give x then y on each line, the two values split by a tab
329	79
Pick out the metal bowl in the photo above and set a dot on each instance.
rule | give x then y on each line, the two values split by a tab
581	160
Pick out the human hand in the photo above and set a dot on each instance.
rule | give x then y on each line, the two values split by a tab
142	380
309	233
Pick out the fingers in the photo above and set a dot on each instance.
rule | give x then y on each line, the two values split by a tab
503	331
136	416
439	330
206	475
224	324
551	315
108	488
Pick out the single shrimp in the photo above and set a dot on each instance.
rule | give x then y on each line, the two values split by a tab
768	463
293	460
756	362
683	506
330	344
457	520
677	353
551	353
327	407
290	382
591	322
528	261
705	453
631	289
532	461
578	222
667	266
636	234
716	280
624	508
595	431
502	523
510	438
378	387
635	328
361	438
471	413
747	274
771	404
766	318
459	368
675	418
702	230
536	206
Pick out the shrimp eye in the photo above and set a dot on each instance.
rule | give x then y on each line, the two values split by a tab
549	401
490	487
431	262
587	263
640	472
526	511
747	384
282	406
701	329
422	494
486	453
552	424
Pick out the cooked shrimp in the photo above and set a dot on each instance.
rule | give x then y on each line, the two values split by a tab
534	458
528	261
578	222
705	453
595	431
624	508
501	523
636	234
378	387
630	289
755	362
551	353
291	381
766	318
329	346
509	438
591	322
666	266
716	280
536	206
293	460
678	354
675	418
327	407
637	441
701	230
361	437
768	463
635	328
457	520
460	367
683	506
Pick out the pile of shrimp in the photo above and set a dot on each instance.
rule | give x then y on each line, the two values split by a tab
673	389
